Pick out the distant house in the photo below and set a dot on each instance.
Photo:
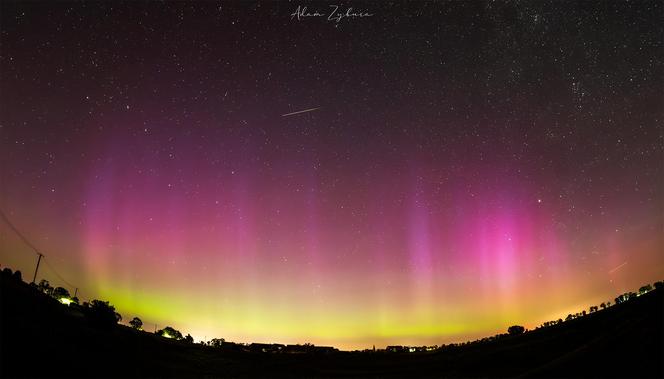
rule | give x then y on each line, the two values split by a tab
396	349
309	348
266	347
233	346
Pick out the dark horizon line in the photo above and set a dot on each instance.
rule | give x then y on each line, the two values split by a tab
623	298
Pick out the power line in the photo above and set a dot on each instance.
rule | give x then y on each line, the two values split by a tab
27	242
58	274
18	233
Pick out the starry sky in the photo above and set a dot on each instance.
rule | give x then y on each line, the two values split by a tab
464	165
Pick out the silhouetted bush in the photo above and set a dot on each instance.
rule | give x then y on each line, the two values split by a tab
217	342
516	329
59	293
7	272
101	313
189	339
170	332
45	286
136	323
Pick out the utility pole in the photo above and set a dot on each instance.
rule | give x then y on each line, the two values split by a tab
37	268
76	292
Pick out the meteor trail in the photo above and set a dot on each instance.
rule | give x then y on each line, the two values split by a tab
306	110
616	268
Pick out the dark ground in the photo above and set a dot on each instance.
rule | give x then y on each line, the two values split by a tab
42	338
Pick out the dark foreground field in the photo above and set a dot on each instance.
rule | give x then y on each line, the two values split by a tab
42	338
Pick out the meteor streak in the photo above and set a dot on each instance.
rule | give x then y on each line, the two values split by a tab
617	268
298	112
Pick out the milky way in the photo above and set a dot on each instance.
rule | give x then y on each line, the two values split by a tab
468	166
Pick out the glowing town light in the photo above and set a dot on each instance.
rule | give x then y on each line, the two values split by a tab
65	301
165	334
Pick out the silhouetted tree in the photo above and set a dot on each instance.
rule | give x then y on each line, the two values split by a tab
45	286
189	339
60	293
569	317
602	305
515	329
658	285
136	323
101	313
7	272
217	342
644	289
17	276
170	332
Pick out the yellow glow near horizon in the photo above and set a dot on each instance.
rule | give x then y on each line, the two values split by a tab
66	301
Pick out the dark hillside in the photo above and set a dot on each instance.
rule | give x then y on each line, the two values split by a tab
43	338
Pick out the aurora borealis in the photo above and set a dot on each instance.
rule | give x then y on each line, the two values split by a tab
470	165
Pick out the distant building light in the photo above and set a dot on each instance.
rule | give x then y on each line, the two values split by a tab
65	301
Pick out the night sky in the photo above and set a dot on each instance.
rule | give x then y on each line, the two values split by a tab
462	166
